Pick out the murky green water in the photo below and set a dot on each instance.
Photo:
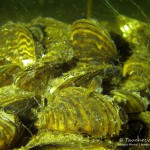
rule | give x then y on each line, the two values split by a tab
69	10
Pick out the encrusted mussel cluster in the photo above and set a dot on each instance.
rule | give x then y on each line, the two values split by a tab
74	86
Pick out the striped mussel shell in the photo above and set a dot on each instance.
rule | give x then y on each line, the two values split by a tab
11	130
77	110
92	42
136	64
136	73
6	74
132	102
36	77
89	77
17	44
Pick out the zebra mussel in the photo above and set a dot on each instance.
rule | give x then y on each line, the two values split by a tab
67	80
92	42
11	130
74	109
16	40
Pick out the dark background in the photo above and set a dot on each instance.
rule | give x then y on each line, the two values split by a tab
69	10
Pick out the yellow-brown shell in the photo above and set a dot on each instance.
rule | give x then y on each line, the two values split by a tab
68	141
136	71
89	77
10	130
136	64
74	110
57	43
17	44
6	74
54	38
131	102
91	41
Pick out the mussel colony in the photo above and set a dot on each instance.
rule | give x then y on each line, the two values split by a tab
82	85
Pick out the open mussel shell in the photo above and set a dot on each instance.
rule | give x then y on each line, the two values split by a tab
11	130
89	77
35	78
92	42
17	44
131	102
20	104
77	110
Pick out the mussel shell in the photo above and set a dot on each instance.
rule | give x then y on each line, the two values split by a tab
37	33
6	74
67	141
17	44
136	73
91	41
131	102
136	83
10	94
53	36
35	78
10	130
18	101
89	77
136	64
57	44
75	110
143	117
